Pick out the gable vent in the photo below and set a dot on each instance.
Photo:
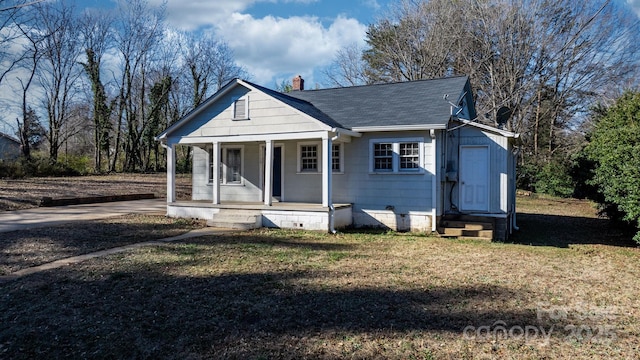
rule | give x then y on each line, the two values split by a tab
240	109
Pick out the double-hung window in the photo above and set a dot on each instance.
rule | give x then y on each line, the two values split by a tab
383	156
231	165
396	155
409	156
336	158
310	157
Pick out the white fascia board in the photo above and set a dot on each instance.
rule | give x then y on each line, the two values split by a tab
399	128
504	133
250	138
346	132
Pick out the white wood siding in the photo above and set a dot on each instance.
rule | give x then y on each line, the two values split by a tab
499	156
251	188
266	116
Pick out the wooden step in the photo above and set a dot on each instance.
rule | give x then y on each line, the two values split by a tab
456	224
456	232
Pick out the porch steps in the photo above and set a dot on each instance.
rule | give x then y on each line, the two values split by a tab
468	227
236	219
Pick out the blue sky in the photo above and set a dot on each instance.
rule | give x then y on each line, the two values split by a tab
275	39
278	39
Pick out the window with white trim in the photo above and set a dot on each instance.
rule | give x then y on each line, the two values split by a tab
336	158
231	165
396	155
409	156
308	158
241	108
383	157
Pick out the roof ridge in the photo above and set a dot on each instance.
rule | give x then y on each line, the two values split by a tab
388	83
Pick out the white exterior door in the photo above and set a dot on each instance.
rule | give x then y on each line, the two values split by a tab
474	178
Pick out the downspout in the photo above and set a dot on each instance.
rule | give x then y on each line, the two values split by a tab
434	181
514	226
332	209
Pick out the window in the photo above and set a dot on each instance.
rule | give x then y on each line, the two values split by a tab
310	155
409	156
241	109
308	158
230	165
396	155
233	165
336	158
383	157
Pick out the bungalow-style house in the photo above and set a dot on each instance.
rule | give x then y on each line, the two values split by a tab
404	156
9	147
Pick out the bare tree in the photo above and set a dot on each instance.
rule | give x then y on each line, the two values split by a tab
416	41
29	60
547	61
9	33
347	68
137	31
60	71
96	35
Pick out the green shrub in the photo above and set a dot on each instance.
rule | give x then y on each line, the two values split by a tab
614	147
554	179
80	164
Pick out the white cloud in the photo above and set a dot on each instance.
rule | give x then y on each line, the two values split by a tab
373	4
270	47
635	5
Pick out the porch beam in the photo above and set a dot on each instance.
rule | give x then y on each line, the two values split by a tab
215	161
327	173
268	172
303	135
171	173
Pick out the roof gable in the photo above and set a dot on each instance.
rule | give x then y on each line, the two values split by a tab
198	121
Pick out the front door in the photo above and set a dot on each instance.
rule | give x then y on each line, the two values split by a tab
276	168
276	191
474	178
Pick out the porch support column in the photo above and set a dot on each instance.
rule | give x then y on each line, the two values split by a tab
215	163
268	172
171	173
327	173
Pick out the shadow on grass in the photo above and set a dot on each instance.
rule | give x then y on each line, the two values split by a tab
25	248
562	231
146	314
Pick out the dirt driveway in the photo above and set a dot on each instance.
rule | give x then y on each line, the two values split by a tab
28	193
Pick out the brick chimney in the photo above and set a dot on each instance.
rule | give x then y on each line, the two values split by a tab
298	83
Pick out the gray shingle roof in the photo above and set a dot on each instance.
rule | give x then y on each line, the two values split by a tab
419	102
300	104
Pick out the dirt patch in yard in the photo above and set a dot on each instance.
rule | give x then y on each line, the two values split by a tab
26	248
28	193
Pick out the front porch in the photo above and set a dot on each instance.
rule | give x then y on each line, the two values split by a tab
286	215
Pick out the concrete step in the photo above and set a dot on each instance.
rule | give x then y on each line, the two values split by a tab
236	219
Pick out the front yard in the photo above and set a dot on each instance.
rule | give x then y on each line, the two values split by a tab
284	294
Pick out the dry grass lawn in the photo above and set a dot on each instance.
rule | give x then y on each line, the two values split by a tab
358	295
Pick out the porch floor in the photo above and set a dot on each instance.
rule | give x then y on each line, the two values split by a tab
283	206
